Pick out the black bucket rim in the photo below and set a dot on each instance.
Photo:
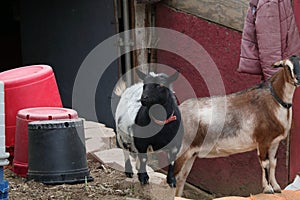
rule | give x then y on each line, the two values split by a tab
55	124
70	177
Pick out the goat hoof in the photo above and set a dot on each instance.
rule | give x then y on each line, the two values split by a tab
172	185
143	178
268	190
129	174
277	190
171	181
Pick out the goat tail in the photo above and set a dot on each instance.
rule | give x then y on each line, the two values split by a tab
120	87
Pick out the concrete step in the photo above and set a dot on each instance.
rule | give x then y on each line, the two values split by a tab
114	158
98	137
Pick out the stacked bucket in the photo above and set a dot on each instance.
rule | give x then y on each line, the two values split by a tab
26	116
31	96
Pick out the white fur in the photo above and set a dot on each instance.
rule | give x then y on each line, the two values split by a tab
291	66
156	75
128	107
285	118
126	112
174	150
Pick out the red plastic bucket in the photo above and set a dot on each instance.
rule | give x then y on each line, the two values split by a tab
26	87
24	116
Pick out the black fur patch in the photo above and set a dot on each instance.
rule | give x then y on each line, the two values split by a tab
295	60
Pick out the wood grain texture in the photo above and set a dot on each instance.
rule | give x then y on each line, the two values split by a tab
229	13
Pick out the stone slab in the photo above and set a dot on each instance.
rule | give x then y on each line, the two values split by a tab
91	124
115	158
95	145
98	137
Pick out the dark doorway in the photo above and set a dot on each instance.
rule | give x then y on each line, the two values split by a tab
62	34
10	43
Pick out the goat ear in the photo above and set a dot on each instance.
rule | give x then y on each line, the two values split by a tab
140	74
278	64
173	77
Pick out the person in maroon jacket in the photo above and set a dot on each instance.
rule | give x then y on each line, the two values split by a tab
270	34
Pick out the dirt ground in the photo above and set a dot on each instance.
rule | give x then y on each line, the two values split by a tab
108	184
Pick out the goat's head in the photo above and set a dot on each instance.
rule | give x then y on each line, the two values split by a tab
292	66
156	89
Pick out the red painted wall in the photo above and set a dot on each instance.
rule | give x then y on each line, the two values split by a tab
235	175
295	133
222	44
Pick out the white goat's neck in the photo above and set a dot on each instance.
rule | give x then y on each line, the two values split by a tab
283	87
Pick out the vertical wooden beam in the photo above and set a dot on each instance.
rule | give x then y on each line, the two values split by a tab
141	37
153	39
295	132
118	12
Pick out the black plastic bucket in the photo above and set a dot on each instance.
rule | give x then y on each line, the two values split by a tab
56	152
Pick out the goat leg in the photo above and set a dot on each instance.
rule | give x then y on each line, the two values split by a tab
171	180
273	161
128	166
142	173
265	166
266	177
183	166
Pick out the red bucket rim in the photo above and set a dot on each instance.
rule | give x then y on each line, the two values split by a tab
39	113
25	75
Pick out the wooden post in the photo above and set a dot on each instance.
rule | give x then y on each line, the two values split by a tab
141	37
295	132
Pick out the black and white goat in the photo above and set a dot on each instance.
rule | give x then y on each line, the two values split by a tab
257	118
147	116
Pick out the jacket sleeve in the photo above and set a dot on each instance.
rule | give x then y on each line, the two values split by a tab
268	35
249	60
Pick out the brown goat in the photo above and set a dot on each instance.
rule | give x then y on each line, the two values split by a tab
257	118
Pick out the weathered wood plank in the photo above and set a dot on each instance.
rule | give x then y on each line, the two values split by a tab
141	37
230	13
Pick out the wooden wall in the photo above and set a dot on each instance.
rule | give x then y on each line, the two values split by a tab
229	13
